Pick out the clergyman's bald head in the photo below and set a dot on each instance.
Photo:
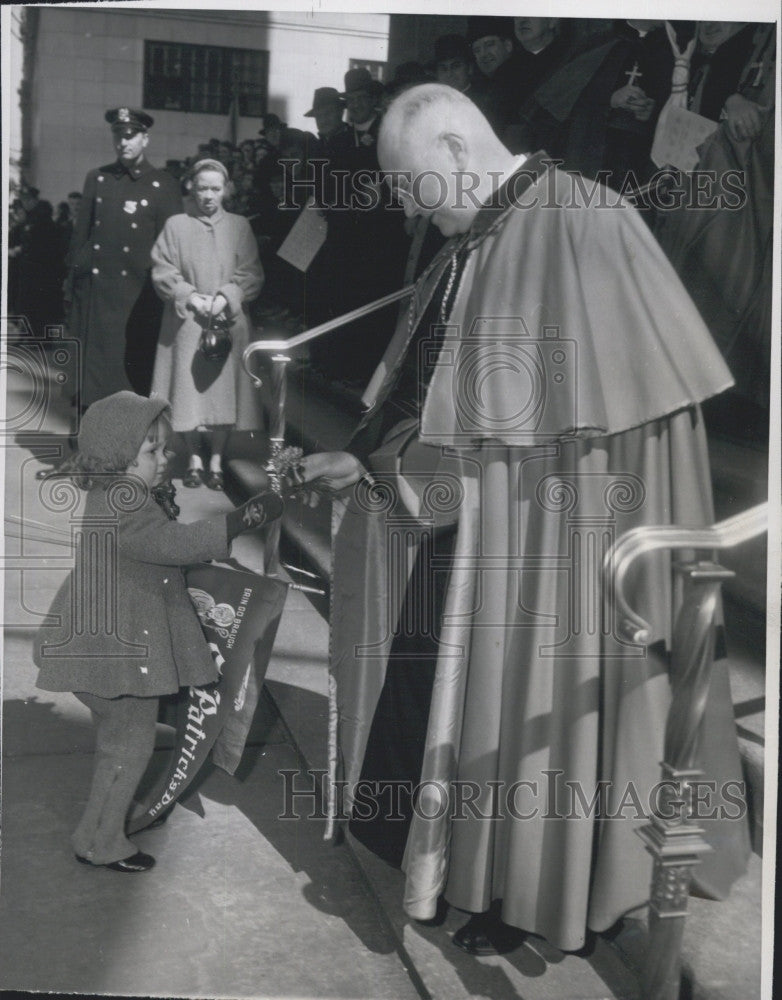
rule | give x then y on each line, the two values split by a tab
422	113
441	141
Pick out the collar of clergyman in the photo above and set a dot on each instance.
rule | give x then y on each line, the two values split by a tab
493	212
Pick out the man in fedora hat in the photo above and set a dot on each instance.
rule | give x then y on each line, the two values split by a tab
362	97
327	150
327	110
492	41
363	256
453	63
454	66
114	309
273	130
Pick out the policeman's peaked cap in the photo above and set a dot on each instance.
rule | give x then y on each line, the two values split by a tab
129	118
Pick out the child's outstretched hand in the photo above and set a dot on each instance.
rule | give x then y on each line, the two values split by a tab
255	513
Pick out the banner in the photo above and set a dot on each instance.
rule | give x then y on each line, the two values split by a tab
240	613
305	238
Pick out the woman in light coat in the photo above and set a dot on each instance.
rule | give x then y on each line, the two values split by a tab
205	267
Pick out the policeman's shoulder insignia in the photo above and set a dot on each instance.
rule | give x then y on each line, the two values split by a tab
130	207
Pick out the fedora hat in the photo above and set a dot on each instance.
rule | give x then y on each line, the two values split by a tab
361	79
324	97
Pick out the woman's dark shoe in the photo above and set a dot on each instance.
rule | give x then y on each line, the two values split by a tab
138	862
485	934
193	477
214	481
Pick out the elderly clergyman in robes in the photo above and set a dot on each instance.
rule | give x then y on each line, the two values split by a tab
540	399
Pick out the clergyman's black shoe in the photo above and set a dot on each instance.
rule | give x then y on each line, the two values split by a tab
485	934
138	862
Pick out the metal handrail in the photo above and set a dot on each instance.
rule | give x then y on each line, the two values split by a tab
639	541
674	836
284	346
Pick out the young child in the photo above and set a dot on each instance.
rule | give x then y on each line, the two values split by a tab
126	631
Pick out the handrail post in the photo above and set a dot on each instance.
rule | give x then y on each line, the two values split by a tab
277	389
673	837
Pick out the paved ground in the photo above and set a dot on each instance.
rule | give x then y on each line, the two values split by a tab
241	903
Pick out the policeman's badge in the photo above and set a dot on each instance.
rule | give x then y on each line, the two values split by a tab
367	139
123	115
130	207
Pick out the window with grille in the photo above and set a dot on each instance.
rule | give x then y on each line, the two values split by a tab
203	78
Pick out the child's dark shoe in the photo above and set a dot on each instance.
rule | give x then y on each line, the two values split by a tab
138	862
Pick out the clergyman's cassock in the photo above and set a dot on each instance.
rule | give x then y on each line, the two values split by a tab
558	409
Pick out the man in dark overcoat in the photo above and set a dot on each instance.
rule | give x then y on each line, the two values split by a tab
114	310
364	253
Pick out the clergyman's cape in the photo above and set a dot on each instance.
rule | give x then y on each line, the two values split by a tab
544	473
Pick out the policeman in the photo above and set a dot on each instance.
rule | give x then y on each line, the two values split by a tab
114	309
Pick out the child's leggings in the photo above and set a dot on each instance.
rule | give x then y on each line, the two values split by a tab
124	743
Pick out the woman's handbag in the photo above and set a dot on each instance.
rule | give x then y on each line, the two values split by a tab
215	344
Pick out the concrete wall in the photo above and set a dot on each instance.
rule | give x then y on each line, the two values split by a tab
88	60
15	62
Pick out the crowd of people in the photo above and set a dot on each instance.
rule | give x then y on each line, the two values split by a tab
458	662
591	101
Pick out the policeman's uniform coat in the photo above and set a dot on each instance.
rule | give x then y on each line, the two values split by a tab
115	312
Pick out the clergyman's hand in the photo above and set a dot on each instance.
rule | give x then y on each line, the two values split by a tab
643	109
742	118
629	97
328	471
